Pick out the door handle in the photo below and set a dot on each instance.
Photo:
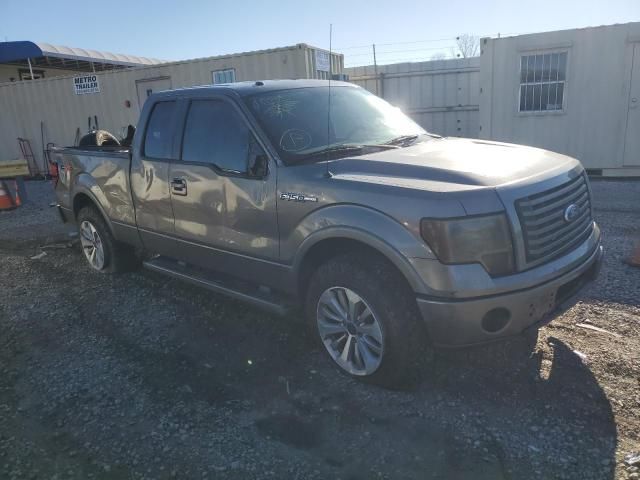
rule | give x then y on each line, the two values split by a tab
179	186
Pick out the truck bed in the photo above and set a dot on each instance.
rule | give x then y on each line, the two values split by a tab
98	172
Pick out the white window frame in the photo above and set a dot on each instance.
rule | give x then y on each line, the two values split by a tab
224	71
533	53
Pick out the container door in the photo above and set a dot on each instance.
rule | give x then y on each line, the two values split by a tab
632	140
146	87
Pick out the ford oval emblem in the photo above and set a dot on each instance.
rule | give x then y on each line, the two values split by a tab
571	212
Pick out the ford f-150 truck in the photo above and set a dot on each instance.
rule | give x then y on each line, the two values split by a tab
302	193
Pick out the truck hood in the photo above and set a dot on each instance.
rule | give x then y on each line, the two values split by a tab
452	164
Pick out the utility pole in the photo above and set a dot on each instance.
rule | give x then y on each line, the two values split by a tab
375	66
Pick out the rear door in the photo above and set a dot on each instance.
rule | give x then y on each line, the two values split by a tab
146	88
632	140
225	214
152	156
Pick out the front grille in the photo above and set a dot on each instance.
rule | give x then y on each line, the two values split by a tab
546	232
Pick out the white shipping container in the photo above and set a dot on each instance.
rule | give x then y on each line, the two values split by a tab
575	92
54	107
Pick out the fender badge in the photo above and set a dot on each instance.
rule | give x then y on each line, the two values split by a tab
297	197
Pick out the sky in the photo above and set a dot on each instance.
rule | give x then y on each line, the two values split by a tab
401	30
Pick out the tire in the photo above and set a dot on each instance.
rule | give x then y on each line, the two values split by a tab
101	250
99	138
393	355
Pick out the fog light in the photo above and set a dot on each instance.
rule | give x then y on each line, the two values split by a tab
496	319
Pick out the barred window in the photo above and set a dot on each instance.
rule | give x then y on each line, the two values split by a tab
542	81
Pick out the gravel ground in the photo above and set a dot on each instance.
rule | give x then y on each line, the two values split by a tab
139	376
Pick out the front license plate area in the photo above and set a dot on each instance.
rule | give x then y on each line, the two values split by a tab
542	305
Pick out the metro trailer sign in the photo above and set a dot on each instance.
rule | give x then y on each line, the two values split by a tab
86	84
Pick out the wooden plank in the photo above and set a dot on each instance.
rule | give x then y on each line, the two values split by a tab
597	329
14	168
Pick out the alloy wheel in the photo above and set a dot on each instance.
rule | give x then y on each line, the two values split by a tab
350	331
92	245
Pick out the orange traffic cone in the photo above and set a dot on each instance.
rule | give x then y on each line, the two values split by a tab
16	199
6	202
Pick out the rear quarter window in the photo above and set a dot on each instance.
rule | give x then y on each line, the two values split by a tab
158	139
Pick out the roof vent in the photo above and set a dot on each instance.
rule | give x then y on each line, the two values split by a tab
259	84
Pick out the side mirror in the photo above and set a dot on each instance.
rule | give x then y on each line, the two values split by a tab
258	165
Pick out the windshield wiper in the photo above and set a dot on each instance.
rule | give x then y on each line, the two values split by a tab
406	140
329	150
342	149
402	139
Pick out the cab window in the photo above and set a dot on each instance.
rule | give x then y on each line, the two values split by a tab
216	134
158	139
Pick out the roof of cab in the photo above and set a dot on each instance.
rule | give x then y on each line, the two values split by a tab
252	87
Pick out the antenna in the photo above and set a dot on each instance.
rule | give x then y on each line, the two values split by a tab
326	162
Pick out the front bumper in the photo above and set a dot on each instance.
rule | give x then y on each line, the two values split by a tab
456	323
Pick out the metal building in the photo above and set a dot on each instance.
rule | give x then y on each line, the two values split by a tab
440	95
58	109
576	92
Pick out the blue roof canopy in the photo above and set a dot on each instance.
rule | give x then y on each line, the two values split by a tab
11	52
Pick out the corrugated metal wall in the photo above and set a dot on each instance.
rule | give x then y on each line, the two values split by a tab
441	95
7	72
53	102
337	64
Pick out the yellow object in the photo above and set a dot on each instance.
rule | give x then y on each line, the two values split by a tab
13	168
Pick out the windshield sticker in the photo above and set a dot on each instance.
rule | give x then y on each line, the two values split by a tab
277	106
294	140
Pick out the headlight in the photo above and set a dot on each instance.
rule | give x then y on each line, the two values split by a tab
485	240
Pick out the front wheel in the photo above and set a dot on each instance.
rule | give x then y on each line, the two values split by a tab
367	320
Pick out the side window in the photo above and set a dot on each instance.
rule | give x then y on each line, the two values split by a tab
214	133
158	139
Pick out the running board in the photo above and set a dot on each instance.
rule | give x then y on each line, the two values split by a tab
233	288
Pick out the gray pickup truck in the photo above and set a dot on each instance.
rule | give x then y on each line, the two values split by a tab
302	194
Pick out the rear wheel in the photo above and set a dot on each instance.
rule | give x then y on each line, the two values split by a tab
367	320
101	250
92	245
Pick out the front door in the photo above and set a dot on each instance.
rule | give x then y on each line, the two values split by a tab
146	87
150	168
225	213
632	140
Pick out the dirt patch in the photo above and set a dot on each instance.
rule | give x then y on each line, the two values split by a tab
140	376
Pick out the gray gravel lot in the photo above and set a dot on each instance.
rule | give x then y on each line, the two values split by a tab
92	385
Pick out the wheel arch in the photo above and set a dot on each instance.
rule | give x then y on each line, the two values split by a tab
83	197
323	246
